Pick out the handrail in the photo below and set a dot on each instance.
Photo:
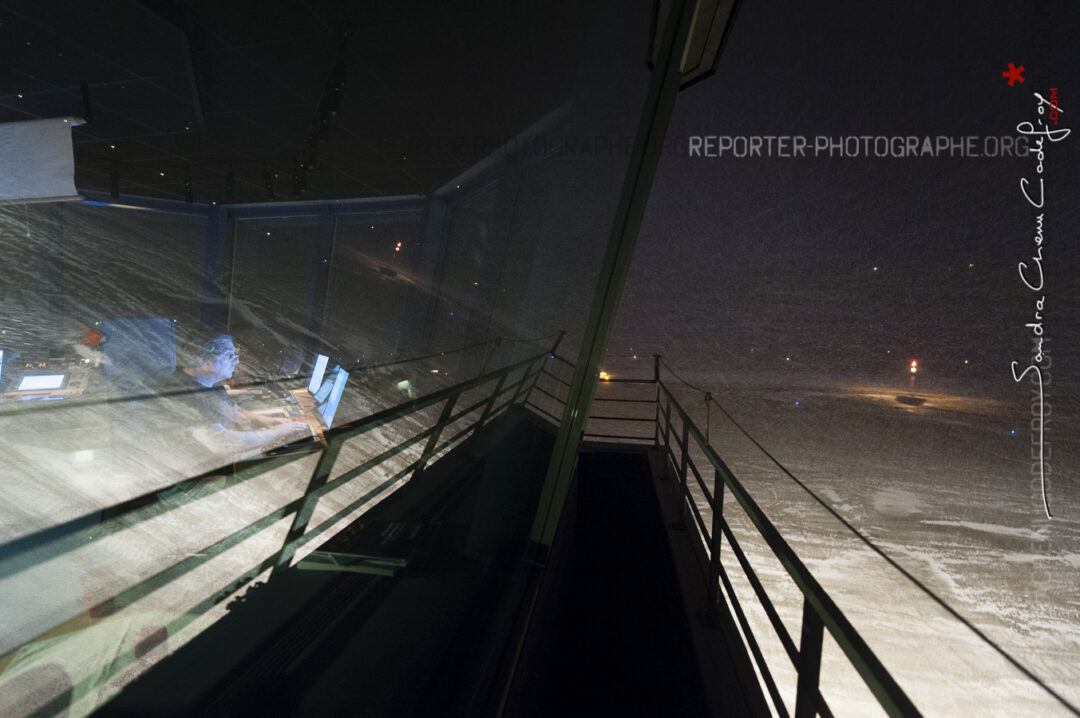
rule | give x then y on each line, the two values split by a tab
819	610
31	550
817	604
877	678
22	409
353	428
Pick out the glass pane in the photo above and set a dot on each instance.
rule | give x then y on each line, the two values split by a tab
442	219
377	300
274	298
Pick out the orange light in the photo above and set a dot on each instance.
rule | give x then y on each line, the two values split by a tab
604	376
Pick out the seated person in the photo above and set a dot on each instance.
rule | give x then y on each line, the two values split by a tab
224	427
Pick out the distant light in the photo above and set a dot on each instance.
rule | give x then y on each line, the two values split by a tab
796	403
1013	432
267	234
965	361
604	376
875	269
112	147
161	173
914	366
970	264
325	261
635	356
787	358
20	95
434	371
451	314
373	226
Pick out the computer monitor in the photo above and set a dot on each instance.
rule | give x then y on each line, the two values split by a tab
328	409
327	386
317	373
41	382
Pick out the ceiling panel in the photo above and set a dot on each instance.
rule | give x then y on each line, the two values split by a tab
430	87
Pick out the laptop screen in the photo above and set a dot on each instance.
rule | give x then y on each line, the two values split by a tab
327	386
41	382
317	373
330	407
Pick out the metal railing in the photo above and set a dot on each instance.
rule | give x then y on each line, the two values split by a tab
499	389
677	435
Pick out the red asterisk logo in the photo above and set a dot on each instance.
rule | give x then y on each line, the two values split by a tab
1015	74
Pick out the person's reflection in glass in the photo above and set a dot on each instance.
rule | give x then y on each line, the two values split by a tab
227	428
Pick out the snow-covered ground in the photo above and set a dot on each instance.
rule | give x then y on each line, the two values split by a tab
944	485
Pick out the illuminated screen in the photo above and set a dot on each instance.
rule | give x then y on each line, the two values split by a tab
327	386
330	407
40	382
317	373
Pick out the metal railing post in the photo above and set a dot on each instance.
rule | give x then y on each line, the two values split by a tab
809	662
708	398
319	477
521	384
433	440
680	519
656	381
716	533
549	355
494	395
667	436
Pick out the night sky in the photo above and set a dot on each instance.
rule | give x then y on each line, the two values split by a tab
777	255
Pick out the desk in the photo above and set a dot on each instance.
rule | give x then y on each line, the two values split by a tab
74	382
304	411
